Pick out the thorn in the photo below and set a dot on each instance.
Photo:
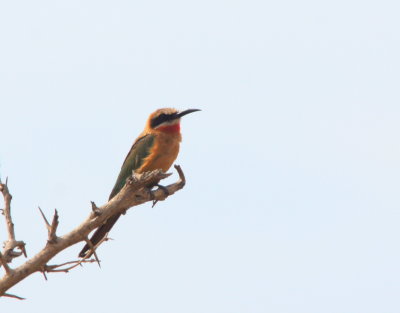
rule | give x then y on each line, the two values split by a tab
53	228
44	273
21	246
93	251
44	217
24	251
95	209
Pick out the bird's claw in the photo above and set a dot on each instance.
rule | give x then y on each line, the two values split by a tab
152	197
164	189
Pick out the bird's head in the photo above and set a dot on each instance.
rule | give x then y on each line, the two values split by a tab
167	119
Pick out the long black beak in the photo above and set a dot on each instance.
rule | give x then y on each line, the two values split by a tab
183	113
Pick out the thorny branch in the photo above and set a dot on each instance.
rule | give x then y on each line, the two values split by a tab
56	267
132	194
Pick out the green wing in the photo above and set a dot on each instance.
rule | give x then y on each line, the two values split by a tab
139	151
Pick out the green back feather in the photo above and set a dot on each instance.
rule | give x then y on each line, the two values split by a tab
139	151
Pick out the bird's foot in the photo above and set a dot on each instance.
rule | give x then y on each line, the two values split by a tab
152	197
164	189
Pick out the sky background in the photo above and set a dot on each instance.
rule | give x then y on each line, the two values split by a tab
293	176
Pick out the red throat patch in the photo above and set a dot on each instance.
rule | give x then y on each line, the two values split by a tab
170	128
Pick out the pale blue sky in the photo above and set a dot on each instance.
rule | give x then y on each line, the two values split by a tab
292	202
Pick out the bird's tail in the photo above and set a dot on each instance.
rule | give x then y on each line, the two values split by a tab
99	234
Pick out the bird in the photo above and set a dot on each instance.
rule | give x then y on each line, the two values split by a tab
157	147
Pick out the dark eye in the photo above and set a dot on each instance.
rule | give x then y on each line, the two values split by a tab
159	120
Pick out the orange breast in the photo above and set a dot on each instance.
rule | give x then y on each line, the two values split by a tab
163	154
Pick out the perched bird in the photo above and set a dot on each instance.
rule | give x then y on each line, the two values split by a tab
156	148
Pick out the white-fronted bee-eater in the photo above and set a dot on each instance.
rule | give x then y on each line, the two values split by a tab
156	148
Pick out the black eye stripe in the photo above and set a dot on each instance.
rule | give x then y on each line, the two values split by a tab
162	118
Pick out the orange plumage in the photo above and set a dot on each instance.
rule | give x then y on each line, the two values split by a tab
156	148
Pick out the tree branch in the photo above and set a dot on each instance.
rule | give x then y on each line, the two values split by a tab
132	194
56	268
10	244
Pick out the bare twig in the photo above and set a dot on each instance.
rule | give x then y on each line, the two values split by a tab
10	244
182	178
7	210
56	269
135	192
